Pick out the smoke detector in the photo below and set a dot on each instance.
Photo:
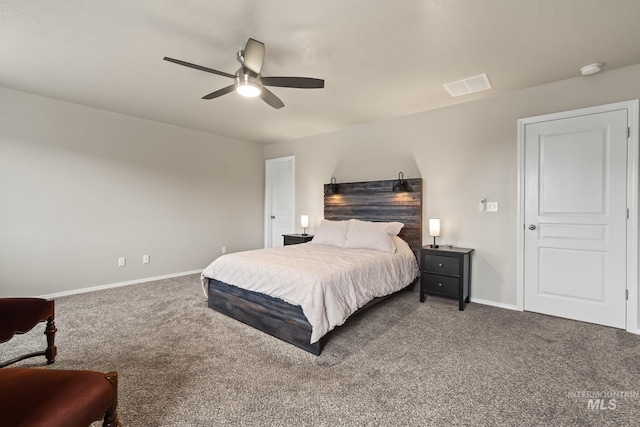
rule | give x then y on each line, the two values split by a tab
594	68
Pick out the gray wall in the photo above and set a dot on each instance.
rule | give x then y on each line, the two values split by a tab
464	153
81	187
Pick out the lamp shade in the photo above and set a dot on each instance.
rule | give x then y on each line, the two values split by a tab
304	221
434	227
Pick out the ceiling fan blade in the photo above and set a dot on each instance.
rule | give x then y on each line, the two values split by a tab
199	67
297	82
268	97
223	91
253	55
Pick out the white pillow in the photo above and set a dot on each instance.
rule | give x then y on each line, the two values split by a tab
393	228
331	233
371	235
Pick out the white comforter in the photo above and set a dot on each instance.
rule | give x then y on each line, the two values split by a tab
328	282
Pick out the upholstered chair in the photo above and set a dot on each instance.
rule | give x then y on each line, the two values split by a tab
36	397
20	315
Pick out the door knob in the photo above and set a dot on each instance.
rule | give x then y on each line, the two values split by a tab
532	227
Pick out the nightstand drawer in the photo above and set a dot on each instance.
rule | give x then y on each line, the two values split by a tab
294	239
441	285
441	264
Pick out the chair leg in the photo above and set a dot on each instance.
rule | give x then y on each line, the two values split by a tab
50	332
111	416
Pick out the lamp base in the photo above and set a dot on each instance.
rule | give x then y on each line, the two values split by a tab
434	246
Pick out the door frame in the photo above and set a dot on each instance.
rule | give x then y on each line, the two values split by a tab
633	164
268	164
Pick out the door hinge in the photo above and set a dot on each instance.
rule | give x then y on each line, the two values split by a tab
627	213
626	293
628	132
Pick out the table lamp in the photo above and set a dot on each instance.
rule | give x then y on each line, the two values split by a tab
434	230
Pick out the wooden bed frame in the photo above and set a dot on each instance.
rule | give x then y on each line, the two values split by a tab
367	201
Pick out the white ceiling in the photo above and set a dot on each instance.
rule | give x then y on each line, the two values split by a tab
379	59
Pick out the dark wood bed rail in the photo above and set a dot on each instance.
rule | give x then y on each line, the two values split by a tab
271	315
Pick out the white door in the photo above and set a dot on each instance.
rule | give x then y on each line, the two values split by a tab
279	200
575	212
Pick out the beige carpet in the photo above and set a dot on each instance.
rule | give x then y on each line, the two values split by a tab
402	363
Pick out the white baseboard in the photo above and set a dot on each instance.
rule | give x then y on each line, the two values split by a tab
116	285
495	304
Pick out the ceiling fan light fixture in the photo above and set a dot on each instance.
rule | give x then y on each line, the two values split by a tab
249	90
248	86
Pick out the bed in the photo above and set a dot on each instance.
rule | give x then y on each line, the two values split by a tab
355	203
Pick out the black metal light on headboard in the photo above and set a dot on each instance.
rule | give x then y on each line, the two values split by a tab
333	186
400	185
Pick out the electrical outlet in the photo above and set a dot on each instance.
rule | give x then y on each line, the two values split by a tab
145	259
122	262
492	206
223	250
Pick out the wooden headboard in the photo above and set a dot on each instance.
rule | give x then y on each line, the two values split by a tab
376	201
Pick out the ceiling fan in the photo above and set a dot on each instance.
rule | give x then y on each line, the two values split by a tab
248	80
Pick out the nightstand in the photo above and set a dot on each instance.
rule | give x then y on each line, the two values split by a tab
445	272
294	239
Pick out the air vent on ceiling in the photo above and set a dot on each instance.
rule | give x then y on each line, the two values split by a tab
469	85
